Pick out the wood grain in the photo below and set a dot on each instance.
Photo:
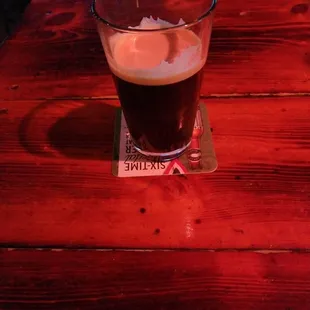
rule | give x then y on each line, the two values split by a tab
153	280
257	47
56	185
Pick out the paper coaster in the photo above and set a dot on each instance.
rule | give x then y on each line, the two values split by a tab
198	158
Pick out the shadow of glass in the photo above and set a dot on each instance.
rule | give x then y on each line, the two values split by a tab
81	130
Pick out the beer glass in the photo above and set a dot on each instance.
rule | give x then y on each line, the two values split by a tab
156	50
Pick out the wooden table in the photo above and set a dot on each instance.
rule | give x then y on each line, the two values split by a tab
75	237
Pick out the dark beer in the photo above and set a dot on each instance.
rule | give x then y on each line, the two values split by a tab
160	118
158	78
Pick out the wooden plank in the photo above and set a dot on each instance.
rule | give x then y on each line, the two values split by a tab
57	52
56	185
153	280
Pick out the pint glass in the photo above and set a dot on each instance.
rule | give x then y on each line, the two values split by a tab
156	50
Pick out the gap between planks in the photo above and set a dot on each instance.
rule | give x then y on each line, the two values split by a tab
211	96
101	249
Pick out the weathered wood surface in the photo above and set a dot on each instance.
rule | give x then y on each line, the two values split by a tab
56	185
153	280
257	47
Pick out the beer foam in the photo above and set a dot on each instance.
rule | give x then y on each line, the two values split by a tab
151	23
155	58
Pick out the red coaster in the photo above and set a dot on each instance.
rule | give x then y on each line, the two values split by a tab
198	158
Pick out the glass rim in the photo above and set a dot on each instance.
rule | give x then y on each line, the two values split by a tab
134	30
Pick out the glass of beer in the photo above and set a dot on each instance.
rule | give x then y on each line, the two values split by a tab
156	50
